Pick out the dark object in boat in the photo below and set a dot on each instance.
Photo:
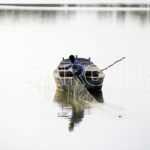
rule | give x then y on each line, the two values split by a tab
93	76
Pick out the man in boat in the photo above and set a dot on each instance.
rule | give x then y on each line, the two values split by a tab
77	68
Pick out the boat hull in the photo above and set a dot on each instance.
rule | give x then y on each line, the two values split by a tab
67	84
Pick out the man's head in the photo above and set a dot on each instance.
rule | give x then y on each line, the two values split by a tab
72	58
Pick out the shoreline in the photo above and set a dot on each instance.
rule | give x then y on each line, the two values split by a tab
100	5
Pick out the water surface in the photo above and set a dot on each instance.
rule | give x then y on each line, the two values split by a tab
34	115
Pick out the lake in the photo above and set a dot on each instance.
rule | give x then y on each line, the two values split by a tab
34	115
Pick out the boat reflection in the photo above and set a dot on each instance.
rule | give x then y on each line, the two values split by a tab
72	108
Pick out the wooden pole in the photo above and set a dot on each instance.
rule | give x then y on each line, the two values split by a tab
113	63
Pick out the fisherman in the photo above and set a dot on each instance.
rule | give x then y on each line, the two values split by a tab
77	68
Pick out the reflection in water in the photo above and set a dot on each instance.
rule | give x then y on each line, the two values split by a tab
35	15
142	17
73	108
76	117
98	96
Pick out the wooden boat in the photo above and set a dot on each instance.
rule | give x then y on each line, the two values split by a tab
93	76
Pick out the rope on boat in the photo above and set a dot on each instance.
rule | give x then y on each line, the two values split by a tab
113	63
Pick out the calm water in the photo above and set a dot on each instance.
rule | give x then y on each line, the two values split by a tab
34	115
